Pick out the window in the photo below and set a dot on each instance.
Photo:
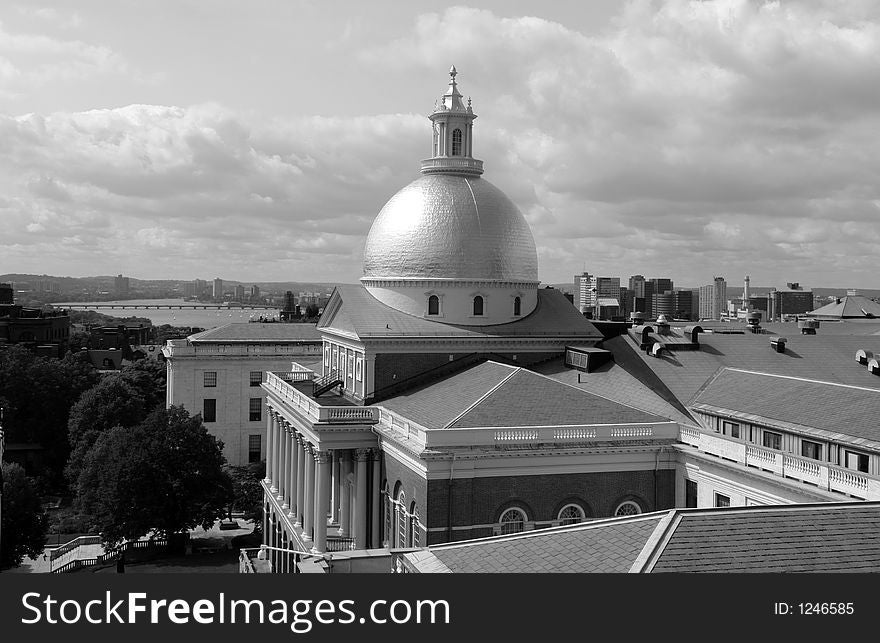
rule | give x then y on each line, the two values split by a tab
210	379
478	306
359	369
254	448
402	520
209	410
690	493
772	440
414	536
722	500
456	142
256	378
730	428
255	407
433	305
517	306
571	514
856	461
627	508
513	521
811	450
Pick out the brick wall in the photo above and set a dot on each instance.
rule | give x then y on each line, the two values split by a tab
480	501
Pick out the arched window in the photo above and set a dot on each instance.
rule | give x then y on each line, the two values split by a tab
433	305
513	520
402	522
478	306
414	536
627	508
517	306
386	505
456	142
571	514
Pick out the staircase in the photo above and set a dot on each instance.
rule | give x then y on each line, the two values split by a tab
326	383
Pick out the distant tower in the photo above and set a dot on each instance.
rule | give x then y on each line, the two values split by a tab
453	140
747	304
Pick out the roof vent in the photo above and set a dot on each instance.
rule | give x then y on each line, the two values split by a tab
662	325
874	366
778	344
692	332
657	349
808	326
863	356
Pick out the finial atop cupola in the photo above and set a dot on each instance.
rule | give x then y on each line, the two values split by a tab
453	134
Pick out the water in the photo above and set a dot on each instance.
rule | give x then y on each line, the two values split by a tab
201	318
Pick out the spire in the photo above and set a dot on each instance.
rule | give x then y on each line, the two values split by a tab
453	134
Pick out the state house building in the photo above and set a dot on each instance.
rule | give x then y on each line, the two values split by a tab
455	399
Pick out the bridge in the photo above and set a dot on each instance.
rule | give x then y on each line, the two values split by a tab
166	307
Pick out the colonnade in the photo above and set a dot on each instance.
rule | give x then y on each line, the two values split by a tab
317	488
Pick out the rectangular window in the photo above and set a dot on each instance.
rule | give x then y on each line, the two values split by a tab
730	428
210	379
255	408
857	461
254	448
773	440
811	450
690	493
209	411
722	500
350	366
360	369
256	378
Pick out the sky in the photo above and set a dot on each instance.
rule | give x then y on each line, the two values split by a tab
257	141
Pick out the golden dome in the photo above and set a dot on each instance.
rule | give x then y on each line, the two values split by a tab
451	226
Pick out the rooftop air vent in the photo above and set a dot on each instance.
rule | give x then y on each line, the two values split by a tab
874	366
778	344
808	326
693	332
656	349
863	356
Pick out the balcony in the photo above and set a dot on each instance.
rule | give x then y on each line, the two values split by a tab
462	165
294	387
823	475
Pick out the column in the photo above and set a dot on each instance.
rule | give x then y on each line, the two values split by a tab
323	465
309	510
276	455
376	499
270	453
335	487
360	517
295	451
344	494
300	480
284	490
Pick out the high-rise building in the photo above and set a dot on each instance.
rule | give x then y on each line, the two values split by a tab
255	293
687	304
218	288
582	295
121	286
239	293
789	301
663	304
713	299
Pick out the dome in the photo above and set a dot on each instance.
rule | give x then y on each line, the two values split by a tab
451	226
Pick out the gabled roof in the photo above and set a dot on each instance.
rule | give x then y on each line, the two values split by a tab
495	395
255	333
816	537
849	307
354	312
825	406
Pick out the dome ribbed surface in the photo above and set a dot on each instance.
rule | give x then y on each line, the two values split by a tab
446	226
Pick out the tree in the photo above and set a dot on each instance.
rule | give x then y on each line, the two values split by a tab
111	402
247	492
148	377
163	476
24	523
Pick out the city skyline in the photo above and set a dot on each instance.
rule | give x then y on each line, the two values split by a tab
684	140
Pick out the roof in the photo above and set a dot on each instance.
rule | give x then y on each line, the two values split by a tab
253	333
678	376
849	307
354	312
837	408
815	537
495	395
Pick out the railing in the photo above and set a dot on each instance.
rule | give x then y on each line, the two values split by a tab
325	383
305	347
463	163
77	563
73	545
316	412
297	376
823	475
337	543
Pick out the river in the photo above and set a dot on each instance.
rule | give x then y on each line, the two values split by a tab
201	318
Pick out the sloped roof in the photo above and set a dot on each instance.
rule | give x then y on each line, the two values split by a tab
680	375
849	307
253	333
355	312
494	395
826	406
816	537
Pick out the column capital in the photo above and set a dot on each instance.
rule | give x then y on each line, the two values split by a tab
362	455
376	455
308	448
322	457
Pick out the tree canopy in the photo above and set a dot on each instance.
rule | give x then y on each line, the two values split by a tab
247	492
24	523
163	476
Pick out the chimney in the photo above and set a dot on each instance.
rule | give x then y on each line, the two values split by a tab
778	344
